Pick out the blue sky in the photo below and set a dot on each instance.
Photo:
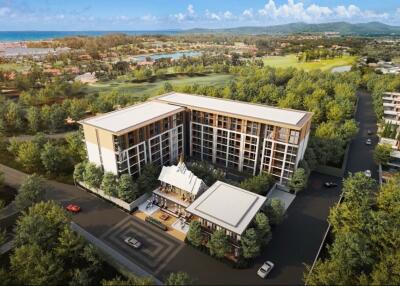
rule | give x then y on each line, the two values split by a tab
183	14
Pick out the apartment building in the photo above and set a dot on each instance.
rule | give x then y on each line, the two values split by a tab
123	141
391	107
245	137
238	136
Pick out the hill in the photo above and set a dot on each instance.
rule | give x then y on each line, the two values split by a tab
344	28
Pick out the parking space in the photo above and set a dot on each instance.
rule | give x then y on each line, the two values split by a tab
157	247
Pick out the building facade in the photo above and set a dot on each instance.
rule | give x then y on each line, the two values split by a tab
124	141
245	137
238	136
391	107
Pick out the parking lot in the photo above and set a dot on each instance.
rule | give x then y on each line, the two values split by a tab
157	248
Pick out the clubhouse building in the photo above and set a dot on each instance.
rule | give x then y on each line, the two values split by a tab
234	135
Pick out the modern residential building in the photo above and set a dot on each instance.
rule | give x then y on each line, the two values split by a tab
123	141
238	136
393	165
243	136
391	107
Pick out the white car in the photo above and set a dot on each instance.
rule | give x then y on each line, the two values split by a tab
132	242
367	173
368	141
265	269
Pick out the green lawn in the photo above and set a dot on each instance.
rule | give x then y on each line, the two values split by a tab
13	66
152	88
291	61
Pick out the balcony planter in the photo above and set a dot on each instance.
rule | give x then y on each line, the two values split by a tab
156	223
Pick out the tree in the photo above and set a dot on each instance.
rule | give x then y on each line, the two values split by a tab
57	117
118	281
33	118
70	244
29	156
52	157
93	175
108	185
178	279
76	147
79	171
194	234
263	228
299	180
32	190
42	225
259	184
250	244
148	180
275	211
31	265
218	244
127	190
382	153
81	277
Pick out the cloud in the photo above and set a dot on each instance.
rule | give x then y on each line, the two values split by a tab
248	13
190	9
4	11
212	16
297	11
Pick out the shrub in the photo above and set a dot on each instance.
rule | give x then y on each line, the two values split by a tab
126	189
93	175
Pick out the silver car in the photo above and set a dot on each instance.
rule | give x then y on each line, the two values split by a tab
132	242
367	173
368	142
265	269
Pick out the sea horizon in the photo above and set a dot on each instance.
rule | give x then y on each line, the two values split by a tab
32	35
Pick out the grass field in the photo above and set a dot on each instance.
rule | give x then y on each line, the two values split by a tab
152	88
13	66
291	61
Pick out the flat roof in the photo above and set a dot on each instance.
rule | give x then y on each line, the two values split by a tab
228	206
130	117
256	111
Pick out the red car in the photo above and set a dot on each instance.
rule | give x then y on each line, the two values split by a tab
73	208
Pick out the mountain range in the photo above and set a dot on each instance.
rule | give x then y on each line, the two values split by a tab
344	28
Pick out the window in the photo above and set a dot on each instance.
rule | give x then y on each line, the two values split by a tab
294	137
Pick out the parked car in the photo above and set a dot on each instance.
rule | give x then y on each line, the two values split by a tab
368	142
369	132
132	242
265	269
73	208
367	173
330	184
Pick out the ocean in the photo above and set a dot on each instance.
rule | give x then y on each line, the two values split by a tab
15	36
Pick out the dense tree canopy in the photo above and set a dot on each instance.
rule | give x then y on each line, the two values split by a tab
366	243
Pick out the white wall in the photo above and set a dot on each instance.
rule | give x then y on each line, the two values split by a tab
93	153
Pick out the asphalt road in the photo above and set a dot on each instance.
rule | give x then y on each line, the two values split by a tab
361	155
295	241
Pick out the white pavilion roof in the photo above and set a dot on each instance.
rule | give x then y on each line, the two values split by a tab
179	176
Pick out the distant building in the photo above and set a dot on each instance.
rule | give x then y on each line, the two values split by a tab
391	107
86	77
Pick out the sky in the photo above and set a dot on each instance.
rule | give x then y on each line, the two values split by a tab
124	15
